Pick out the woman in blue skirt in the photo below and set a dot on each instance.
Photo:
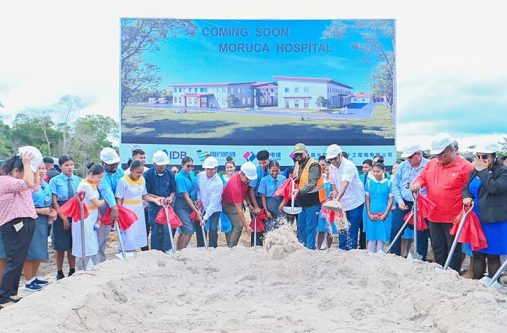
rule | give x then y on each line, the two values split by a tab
377	213
38	249
63	187
267	188
487	188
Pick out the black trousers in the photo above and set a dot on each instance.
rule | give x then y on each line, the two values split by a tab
16	244
441	242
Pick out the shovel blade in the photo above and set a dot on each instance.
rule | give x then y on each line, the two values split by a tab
292	210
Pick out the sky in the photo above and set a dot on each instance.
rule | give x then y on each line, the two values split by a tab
451	62
201	58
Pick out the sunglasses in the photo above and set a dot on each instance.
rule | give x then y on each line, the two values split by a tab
190	166
298	155
482	156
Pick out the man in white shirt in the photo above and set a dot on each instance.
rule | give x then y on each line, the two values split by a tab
348	188
209	191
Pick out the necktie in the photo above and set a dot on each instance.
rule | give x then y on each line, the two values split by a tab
70	194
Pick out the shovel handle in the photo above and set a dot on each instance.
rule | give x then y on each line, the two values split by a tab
171	238
456	237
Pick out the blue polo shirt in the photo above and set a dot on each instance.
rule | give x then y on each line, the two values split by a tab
60	187
42	198
255	183
268	185
107	186
186	182
161	185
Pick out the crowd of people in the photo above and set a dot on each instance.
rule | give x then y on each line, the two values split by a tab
374	202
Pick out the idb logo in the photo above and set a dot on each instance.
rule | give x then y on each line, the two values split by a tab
175	155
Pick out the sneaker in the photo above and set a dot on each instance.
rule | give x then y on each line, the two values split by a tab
32	286
60	275
41	282
71	271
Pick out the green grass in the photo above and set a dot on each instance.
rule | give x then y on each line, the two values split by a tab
142	121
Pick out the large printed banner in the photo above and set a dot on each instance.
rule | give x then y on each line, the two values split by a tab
233	87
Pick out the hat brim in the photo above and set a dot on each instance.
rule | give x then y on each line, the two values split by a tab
408	154
298	151
253	177
112	161
437	151
161	163
331	156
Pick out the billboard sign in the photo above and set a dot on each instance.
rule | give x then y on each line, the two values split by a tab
233	87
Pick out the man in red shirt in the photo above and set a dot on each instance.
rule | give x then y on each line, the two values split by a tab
444	177
232	200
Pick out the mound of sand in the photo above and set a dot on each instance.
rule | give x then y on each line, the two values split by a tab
281	242
244	289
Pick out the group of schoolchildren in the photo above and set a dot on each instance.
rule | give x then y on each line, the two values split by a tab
208	202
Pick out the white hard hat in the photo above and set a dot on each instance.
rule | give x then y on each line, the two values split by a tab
109	156
210	163
332	151
160	158
487	148
37	156
249	170
440	142
410	150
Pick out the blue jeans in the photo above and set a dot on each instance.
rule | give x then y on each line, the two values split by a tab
348	239
160	239
213	229
397	223
307	225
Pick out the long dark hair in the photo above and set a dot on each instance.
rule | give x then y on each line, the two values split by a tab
14	162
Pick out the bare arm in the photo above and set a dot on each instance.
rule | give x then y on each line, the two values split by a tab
241	216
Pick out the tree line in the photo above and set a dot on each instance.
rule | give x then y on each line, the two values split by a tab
57	131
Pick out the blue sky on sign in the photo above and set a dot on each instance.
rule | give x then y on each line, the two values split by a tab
198	59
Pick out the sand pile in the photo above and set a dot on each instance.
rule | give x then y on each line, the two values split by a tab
245	290
281	242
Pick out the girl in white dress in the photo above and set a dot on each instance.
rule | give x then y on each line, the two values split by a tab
92	203
130	193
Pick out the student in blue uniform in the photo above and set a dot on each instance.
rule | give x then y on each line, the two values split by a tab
225	223
38	249
253	190
325	230
267	188
63	187
186	194
377	214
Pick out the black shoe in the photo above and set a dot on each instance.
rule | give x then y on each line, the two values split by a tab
59	275
71	271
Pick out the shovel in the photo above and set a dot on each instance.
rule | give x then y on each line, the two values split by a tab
291	209
415	255
455	242
493	282
204	237
255	230
398	235
80	198
123	255
171	238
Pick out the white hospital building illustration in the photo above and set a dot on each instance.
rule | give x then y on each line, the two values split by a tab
285	92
